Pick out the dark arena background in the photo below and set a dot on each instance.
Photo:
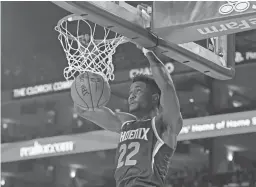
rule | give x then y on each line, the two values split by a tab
44	143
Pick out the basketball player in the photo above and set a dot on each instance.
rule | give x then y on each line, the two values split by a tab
148	134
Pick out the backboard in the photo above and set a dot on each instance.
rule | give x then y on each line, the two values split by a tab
202	19
130	22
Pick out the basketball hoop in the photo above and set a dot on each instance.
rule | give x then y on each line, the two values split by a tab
85	53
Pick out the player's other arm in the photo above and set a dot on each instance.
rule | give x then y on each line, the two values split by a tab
105	117
170	114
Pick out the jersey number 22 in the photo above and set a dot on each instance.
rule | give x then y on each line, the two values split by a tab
126	154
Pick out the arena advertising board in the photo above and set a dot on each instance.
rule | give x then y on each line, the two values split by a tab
196	128
41	89
58	145
218	125
197	22
245	57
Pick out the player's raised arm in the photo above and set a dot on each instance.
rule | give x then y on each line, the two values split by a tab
170	113
105	117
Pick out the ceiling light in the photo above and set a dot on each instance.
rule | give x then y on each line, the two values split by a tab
73	173
191	100
230	93
237	104
230	156
5	125
2	182
75	115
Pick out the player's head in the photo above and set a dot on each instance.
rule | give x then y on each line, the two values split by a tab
144	94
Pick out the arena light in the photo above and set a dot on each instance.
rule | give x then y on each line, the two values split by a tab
5	125
50	168
2	182
79	123
237	104
73	173
230	155
191	100
75	115
207	151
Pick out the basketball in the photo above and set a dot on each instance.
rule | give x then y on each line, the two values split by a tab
90	90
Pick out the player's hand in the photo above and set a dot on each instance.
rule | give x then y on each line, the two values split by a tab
139	47
148	53
144	50
80	110
151	56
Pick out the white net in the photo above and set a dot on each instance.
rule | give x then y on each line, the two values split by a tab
84	53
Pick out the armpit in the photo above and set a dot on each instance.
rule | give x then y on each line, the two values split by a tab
170	139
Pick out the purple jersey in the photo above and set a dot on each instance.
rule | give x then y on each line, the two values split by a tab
142	158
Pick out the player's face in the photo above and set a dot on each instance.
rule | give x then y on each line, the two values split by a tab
139	97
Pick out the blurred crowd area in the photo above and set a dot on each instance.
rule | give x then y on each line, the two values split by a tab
246	178
235	177
239	178
49	129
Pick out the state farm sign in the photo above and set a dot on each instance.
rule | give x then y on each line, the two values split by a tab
233	25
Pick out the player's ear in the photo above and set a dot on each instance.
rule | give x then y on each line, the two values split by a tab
155	98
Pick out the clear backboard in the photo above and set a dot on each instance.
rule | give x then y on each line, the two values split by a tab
143	26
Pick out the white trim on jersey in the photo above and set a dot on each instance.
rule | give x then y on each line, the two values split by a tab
159	142
153	122
132	121
126	123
